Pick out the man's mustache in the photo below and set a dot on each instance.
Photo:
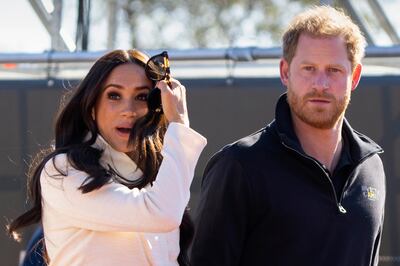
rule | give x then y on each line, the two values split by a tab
319	95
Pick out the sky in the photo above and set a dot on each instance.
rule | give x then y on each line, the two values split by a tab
20	28
22	31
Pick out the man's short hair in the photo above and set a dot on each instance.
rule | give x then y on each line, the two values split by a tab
324	21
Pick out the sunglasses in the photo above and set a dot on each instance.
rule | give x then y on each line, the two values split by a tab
157	68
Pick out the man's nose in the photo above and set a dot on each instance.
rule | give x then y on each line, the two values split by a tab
321	81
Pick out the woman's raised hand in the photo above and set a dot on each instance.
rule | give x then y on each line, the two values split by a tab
173	100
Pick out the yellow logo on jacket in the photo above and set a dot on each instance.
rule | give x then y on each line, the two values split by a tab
370	193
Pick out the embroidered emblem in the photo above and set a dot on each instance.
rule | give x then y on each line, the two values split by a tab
370	193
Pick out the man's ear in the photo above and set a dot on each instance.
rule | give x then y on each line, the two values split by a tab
284	71
355	78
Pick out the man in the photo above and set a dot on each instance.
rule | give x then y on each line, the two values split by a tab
307	189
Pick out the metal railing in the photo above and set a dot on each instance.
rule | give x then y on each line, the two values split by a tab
234	54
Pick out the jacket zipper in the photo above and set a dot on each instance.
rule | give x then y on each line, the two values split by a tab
341	209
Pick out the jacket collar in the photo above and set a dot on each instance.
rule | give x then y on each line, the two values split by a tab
284	124
360	145
121	163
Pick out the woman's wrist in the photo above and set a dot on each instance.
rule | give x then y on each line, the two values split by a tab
181	120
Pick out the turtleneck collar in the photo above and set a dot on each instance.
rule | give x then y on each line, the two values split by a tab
121	163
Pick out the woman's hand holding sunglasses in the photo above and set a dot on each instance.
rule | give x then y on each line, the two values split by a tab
173	98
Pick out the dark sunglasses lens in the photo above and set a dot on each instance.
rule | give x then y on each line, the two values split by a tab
155	68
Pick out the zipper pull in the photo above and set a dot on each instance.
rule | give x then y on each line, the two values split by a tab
341	209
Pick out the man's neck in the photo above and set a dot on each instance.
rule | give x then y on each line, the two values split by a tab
325	145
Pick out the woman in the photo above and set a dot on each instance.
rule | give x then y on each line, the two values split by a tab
114	190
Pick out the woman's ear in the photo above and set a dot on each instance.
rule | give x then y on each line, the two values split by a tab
93	114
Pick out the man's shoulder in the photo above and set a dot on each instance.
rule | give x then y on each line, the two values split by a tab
361	145
249	146
249	142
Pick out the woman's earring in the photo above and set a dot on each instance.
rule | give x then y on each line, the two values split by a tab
93	115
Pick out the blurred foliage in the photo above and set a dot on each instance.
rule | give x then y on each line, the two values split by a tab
209	22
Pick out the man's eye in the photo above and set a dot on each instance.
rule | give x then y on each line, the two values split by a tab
113	96
309	68
334	70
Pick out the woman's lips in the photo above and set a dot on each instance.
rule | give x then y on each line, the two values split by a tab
123	131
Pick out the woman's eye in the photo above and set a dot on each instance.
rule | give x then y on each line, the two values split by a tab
113	96
142	97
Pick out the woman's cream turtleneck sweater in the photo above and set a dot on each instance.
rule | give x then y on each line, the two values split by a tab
115	225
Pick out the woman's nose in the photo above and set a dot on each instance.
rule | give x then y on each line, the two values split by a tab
129	109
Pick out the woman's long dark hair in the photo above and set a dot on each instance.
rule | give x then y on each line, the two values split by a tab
73	124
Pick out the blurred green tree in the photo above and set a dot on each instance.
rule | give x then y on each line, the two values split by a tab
208	23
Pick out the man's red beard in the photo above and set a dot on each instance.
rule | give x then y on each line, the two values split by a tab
318	117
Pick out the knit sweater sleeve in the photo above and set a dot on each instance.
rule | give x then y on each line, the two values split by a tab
114	207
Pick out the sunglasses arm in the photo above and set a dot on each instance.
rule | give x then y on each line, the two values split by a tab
167	69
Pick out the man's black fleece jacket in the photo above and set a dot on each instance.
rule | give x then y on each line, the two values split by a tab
265	202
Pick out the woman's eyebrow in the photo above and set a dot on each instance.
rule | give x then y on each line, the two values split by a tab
118	86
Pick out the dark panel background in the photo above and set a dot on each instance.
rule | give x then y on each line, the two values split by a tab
221	111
